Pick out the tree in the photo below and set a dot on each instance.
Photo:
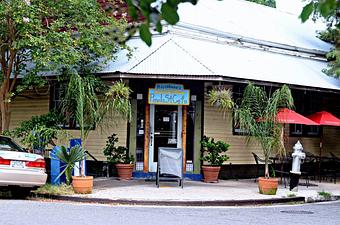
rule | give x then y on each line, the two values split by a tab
329	10
256	116
55	36
81	100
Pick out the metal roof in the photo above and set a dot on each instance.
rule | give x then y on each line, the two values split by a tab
186	55
223	40
253	21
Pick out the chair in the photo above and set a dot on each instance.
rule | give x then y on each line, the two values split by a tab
258	160
335	165
170	165
308	167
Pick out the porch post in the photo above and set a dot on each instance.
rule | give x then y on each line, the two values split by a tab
146	138
197	137
184	136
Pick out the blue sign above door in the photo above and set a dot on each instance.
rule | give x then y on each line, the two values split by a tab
169	94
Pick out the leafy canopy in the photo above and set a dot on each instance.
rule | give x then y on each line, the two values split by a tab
329	11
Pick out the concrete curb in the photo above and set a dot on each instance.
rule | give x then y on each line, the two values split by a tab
175	202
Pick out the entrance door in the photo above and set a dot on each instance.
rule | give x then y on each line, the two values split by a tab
165	130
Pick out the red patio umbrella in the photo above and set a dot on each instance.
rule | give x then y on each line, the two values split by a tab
289	116
324	118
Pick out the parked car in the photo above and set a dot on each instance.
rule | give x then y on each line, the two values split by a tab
20	171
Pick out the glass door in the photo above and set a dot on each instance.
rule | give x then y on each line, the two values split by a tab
165	130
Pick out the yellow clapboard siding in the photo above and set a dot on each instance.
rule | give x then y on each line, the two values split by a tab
219	126
28	104
24	108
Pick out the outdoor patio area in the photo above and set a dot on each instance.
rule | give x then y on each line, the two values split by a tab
225	190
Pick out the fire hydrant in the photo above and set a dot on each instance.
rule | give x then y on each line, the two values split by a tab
295	173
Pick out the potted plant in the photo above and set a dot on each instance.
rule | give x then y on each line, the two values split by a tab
69	158
214	154
119	156
81	100
256	117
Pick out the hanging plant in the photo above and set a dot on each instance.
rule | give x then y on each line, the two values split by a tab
221	97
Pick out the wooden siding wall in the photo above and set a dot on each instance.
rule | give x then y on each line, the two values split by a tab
219	126
29	104
23	108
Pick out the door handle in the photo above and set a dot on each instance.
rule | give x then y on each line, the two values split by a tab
151	138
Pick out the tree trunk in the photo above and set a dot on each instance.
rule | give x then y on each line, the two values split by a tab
266	169
4	106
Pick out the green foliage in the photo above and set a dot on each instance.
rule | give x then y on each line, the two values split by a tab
39	131
214	152
325	194
256	116
329	11
45	35
75	154
50	120
221	98
159	12
270	3
39	137
116	154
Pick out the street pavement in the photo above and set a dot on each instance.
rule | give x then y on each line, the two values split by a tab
25	212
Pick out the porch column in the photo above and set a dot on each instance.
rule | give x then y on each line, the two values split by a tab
146	138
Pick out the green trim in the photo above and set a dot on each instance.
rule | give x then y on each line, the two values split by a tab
133	128
197	137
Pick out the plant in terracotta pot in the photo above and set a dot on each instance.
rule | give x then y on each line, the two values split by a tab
213	154
256	117
119	156
81	101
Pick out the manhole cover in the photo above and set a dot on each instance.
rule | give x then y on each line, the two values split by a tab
297	212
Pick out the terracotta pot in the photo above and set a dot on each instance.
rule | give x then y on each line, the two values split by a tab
268	186
124	171
210	173
82	185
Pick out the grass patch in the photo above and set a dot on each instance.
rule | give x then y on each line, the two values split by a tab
290	195
325	194
49	189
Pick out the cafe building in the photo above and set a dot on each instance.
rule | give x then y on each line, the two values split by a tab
170	80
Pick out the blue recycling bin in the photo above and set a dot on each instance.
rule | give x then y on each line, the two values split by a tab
56	168
75	142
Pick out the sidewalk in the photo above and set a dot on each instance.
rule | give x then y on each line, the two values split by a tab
226	192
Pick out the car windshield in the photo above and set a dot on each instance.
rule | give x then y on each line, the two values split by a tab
6	144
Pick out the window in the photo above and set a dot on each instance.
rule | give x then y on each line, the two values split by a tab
57	94
306	103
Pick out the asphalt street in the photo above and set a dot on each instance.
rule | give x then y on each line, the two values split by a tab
25	212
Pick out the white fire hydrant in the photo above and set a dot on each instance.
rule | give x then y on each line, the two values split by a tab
295	173
298	156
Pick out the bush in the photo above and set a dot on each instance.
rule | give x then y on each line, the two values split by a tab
117	154
214	152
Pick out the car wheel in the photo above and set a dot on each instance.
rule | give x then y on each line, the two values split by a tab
20	193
